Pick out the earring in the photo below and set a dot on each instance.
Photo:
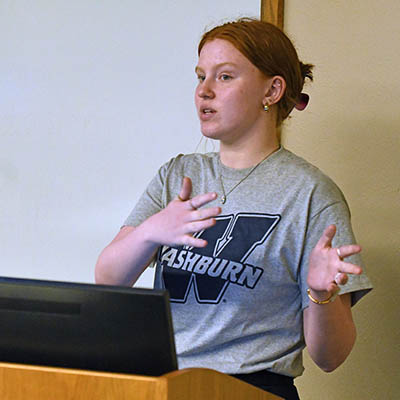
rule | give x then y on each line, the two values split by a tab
266	107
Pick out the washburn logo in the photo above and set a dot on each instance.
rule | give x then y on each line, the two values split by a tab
212	269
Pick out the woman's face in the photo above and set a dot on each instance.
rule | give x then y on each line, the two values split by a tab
230	94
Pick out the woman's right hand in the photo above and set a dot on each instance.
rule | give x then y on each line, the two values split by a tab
176	224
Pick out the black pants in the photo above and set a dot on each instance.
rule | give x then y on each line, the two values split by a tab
280	385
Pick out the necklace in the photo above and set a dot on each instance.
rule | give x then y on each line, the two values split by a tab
225	195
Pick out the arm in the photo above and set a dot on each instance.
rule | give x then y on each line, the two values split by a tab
131	251
329	328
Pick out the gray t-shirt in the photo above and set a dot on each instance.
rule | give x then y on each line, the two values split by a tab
237	303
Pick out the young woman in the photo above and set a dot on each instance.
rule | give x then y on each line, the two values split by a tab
253	243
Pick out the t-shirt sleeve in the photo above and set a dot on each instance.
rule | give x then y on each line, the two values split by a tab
151	201
338	214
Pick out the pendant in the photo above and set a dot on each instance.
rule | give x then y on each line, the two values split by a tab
223	199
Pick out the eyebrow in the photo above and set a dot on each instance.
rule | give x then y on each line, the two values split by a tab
224	64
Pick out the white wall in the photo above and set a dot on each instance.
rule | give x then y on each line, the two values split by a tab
94	97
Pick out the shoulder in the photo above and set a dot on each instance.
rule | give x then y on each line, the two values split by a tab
198	167
194	159
306	179
294	165
184	164
297	167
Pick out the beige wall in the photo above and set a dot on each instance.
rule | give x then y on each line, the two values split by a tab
351	130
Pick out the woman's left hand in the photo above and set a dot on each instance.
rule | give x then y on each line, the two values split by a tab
327	268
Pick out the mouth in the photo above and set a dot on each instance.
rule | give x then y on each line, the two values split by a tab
206	113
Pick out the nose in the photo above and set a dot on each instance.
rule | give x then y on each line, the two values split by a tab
205	90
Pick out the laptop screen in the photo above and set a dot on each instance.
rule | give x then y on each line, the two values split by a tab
86	326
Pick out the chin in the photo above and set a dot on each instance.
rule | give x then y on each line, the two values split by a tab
211	137
211	133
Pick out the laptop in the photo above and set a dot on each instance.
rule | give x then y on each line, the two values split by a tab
86	326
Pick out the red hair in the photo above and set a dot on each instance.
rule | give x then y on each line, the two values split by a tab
271	51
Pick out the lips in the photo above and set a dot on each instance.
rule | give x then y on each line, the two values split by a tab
206	113
206	110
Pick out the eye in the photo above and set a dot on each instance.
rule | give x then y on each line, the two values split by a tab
225	77
201	78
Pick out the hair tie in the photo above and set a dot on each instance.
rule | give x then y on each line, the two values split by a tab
302	104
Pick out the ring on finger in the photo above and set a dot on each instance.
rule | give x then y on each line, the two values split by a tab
336	278
339	254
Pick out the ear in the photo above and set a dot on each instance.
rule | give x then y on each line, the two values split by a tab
276	89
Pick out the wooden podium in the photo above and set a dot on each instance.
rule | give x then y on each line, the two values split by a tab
27	382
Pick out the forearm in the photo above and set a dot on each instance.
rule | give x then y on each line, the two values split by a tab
329	331
126	257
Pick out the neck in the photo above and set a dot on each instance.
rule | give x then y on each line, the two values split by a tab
245	155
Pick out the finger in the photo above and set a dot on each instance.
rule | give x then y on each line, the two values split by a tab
193	242
348	250
190	205
348	268
327	236
186	189
341	278
205	213
203	199
198	226
332	287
